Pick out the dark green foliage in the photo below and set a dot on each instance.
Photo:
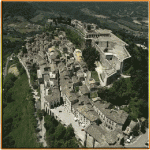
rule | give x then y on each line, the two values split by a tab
40	113
73	37
133	91
20	68
122	93
19	9
19	123
8	142
117	94
60	132
94	75
90	55
57	136
135	130
71	144
24	50
33	73
50	124
8	82
76	89
139	71
144	125
69	133
7	85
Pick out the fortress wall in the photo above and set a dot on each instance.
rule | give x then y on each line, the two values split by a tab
116	63
111	79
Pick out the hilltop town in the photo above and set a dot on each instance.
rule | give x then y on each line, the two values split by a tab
68	90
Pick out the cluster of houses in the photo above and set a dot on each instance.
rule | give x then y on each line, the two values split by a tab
113	53
66	80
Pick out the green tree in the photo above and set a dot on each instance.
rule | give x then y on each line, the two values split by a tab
90	55
24	50
40	114
72	144
60	132
69	133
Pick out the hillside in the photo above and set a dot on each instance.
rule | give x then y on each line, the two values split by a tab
129	16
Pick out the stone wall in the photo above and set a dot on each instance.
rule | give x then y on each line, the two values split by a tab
89	141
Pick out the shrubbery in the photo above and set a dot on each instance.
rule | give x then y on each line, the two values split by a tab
57	136
19	123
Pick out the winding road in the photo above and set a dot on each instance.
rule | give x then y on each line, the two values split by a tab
40	124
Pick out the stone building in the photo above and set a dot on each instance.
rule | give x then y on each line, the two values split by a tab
110	118
113	53
67	79
84	112
97	136
52	100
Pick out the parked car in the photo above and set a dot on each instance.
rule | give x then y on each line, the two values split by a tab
128	140
131	137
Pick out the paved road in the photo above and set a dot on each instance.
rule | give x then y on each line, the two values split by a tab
8	59
42	133
5	70
140	142
40	123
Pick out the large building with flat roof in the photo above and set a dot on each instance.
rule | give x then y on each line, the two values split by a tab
113	53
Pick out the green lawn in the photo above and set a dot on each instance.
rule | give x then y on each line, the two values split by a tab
94	75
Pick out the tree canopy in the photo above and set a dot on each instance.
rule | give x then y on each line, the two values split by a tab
90	55
57	136
19	123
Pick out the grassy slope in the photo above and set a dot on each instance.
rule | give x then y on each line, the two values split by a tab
21	110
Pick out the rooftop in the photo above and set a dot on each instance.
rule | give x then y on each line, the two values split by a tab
118	116
88	112
55	95
83	89
99	133
71	96
75	79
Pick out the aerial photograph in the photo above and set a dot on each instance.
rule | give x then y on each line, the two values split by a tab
75	75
